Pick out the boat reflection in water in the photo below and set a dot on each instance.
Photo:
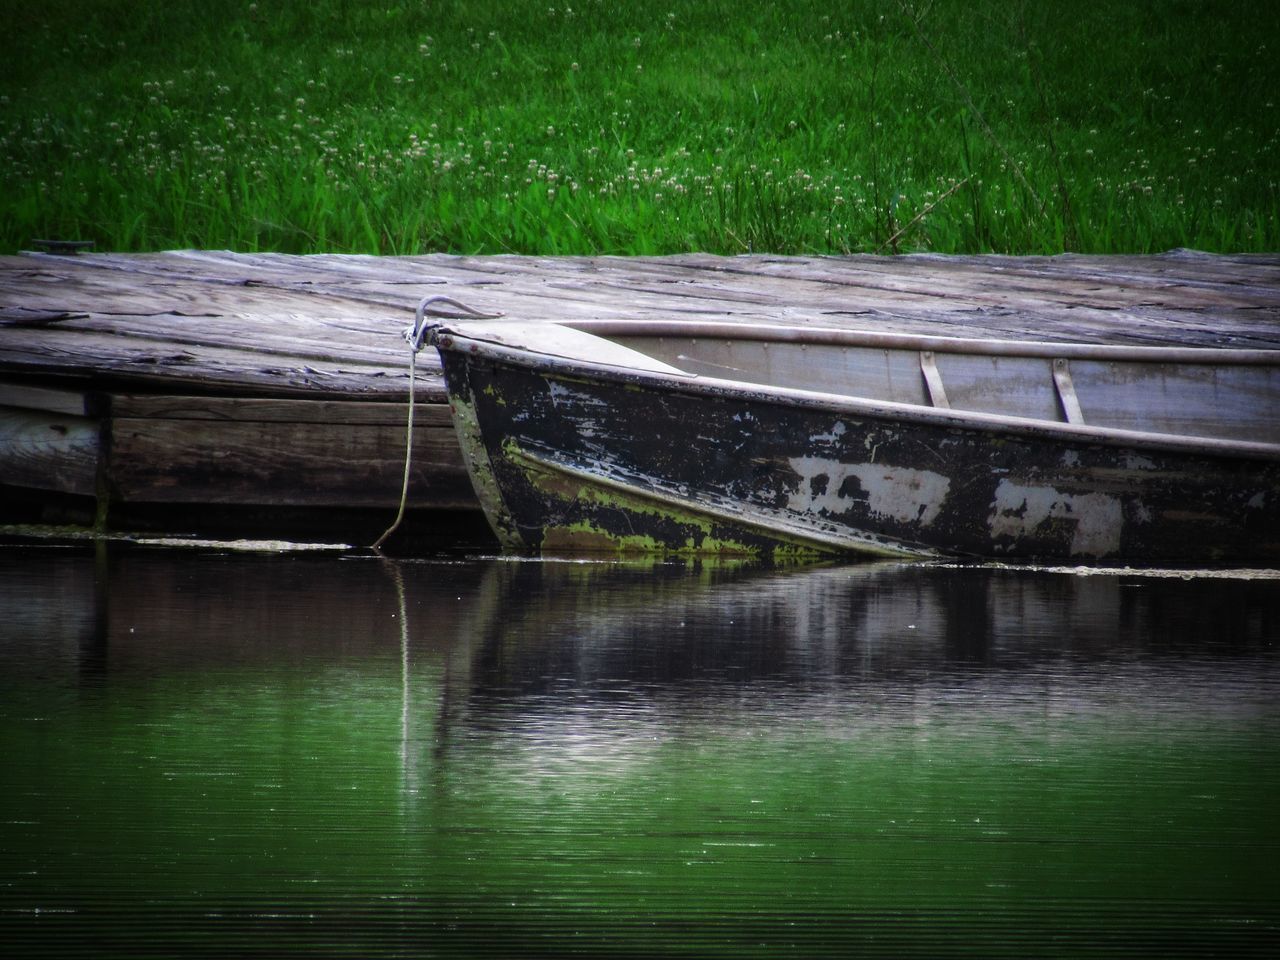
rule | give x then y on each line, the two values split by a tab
532	757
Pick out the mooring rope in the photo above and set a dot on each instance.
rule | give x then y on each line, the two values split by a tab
416	337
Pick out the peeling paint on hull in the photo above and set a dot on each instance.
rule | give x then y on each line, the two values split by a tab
905	494
1096	520
621	465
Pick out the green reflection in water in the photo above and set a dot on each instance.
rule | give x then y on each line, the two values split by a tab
224	753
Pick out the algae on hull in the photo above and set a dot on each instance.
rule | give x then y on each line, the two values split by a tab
653	526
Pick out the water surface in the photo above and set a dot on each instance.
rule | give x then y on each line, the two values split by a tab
208	753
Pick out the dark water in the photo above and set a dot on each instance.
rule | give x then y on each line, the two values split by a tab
230	755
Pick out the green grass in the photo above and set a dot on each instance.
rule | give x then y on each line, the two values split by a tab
641	127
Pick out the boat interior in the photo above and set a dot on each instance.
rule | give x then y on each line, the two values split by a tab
1187	392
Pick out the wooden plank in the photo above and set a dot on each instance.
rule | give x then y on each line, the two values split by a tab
141	284
779	288
312	339
48	451
68	402
115	360
157	460
329	325
257	410
575	284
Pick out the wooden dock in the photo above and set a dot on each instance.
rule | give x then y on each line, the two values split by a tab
214	393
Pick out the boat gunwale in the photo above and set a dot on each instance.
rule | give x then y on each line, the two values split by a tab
449	336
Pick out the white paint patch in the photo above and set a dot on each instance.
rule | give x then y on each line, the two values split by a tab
561	394
578	407
898	493
1019	510
1257	501
836	433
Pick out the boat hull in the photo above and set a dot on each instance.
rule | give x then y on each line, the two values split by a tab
569	461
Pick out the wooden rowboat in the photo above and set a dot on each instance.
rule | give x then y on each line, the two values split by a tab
784	441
